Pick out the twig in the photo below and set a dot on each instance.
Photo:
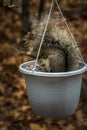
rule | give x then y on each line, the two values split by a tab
74	11
11	9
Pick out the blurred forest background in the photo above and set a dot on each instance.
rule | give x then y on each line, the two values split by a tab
15	20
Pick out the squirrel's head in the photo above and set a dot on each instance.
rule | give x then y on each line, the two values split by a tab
27	45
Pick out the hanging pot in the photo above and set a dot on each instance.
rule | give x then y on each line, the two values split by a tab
53	94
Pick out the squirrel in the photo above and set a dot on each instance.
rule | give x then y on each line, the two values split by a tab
58	54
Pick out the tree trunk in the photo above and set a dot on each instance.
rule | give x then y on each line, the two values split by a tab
41	8
1	2
25	16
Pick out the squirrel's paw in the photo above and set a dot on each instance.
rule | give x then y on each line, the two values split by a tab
44	65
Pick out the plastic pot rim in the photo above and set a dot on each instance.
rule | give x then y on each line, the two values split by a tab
47	74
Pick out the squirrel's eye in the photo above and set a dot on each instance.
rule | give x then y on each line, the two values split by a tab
24	41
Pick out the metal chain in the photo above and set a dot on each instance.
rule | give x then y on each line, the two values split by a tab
42	39
74	42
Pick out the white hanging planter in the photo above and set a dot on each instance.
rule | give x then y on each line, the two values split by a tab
53	94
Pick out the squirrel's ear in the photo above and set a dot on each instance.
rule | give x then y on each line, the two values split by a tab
31	36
